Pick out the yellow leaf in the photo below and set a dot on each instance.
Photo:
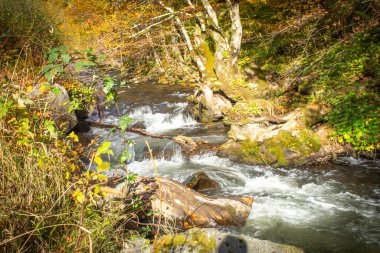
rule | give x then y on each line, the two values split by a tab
102	177
11	120
103	167
43	88
98	160
73	137
96	189
29	88
79	196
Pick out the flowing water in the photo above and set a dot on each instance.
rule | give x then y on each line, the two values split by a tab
332	208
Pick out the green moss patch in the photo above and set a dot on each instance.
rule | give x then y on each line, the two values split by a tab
281	147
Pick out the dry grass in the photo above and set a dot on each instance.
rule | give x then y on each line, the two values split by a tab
33	190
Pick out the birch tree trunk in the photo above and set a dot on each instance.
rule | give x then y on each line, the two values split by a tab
218	67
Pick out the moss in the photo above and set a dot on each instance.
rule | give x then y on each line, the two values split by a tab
277	149
305	143
256	153
250	148
309	139
179	240
231	210
282	142
196	241
290	249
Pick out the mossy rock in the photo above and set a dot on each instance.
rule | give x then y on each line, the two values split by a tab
193	241
284	149
289	145
255	153
213	240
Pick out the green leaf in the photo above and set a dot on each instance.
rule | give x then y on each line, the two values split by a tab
104	149
124	157
88	51
83	63
55	90
124	121
3	110
101	58
53	56
66	58
78	66
49	75
58	49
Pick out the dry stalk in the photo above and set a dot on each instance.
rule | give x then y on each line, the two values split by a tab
159	187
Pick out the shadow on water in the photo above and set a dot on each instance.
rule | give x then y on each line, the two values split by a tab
232	244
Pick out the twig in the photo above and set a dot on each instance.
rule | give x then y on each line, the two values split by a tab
159	187
132	130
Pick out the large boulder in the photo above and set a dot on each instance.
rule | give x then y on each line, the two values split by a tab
210	240
265	128
54	99
282	141
286	148
184	208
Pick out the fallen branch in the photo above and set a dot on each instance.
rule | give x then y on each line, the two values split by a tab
132	130
270	119
188	145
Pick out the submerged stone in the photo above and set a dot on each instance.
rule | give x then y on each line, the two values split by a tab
201	182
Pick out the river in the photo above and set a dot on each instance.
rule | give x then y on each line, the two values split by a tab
329	208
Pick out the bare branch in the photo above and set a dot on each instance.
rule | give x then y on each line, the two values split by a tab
185	35
151	26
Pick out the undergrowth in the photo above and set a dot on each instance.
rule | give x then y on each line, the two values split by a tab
325	52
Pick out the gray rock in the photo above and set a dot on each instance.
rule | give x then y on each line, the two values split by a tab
211	240
54	99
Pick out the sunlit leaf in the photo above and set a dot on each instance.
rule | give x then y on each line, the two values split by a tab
102	177
103	166
79	196
104	149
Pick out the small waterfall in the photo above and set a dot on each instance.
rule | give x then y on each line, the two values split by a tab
156	121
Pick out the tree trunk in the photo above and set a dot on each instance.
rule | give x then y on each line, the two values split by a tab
236	34
220	67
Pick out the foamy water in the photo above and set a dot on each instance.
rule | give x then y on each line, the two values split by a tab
158	122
